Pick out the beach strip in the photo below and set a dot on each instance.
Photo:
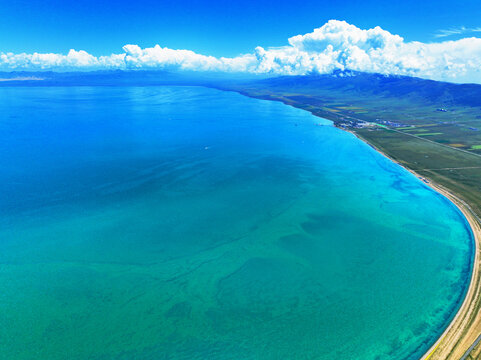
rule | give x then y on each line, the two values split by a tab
465	328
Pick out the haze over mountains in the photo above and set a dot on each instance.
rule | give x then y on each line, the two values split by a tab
348	82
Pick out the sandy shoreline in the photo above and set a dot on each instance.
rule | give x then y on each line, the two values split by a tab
465	327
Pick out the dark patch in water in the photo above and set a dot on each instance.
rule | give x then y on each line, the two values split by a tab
179	310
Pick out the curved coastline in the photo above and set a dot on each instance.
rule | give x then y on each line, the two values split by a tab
463	329
462	332
229	289
458	335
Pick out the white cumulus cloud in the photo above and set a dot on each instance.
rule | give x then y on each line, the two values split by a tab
159	57
336	45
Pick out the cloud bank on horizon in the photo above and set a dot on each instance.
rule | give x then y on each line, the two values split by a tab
336	45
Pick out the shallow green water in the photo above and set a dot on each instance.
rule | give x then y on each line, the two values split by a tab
189	223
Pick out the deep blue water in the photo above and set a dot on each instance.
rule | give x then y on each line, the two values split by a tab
190	223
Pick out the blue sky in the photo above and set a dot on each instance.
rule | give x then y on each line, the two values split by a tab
438	40
218	28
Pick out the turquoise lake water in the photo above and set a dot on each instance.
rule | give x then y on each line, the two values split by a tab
190	223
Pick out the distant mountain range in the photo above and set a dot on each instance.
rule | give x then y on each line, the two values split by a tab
349	83
119	78
368	85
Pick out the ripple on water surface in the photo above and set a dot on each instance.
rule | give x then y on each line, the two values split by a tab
189	223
